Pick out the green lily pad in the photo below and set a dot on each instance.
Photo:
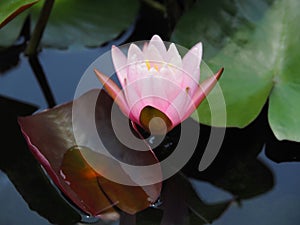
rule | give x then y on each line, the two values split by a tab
257	43
79	23
11	8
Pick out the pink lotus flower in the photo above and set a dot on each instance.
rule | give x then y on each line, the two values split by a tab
159	88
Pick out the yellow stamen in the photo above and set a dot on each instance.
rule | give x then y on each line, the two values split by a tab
148	64
151	65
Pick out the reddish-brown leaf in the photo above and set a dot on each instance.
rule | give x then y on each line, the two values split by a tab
51	138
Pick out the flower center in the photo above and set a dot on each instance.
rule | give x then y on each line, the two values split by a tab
151	65
154	121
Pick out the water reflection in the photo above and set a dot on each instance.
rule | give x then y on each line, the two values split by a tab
10	56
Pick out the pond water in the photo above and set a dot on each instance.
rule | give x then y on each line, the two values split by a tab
278	206
278	203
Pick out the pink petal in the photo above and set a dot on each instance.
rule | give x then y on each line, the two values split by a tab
159	44
137	71
172	73
145	46
152	54
173	57
134	54
114	91
177	110
191	62
188	82
120	62
153	92
135	104
202	92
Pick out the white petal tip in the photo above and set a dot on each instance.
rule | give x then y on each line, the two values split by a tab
156	38
198	49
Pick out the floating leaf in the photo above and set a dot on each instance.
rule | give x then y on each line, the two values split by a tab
11	8
257	43
216	22
131	199
50	134
79	23
82	179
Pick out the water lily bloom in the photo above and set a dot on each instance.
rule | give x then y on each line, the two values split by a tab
159	88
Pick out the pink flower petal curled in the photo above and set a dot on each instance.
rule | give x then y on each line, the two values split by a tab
114	91
191	62
173	57
159	44
134	55
177	110
203	91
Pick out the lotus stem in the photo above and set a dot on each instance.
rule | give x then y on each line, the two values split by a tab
39	28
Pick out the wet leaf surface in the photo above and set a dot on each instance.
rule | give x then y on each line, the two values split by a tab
78	23
82	179
96	191
50	136
11	8
257	43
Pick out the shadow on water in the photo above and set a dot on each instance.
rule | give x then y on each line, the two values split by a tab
10	56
